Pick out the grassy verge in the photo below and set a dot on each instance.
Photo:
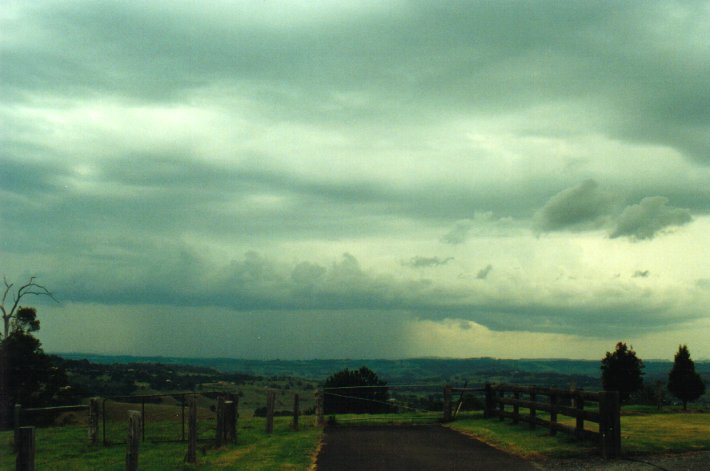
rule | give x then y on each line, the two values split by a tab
384	419
62	448
643	432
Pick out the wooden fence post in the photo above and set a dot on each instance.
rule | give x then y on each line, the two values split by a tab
296	412
501	404
17	422
579	405
236	418
5	405
192	431
533	410
134	439
516	407
616	420
553	414
231	415
25	444
219	431
319	407
610	423
229	421
270	402
447	403
93	420
489	407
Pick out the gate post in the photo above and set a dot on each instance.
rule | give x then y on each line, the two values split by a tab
610	423
319	406
25	444
17	422
447	403
296	411
553	414
134	439
93	420
270	400
192	431
219	432
231	418
488	411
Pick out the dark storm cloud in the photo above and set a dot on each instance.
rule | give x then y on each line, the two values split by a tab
586	207
648	218
581	207
646	61
173	154
254	283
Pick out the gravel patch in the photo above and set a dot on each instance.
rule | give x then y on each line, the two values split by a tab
694	461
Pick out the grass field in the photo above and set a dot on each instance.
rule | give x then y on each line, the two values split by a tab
66	448
643	429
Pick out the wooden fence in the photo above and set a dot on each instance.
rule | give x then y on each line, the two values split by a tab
601	408
226	409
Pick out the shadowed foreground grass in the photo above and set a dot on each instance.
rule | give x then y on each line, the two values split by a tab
66	448
643	431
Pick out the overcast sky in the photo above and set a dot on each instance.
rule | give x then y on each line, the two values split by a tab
301	179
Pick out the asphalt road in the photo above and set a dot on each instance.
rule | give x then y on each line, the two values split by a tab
410	448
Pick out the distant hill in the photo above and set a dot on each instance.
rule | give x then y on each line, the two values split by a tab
561	372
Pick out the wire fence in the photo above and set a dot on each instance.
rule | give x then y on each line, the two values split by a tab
410	403
164	416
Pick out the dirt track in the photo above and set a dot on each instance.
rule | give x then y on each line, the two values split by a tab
407	448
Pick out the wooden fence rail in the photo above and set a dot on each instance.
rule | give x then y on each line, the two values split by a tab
604	411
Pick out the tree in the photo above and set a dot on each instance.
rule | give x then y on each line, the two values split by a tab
683	382
12	315
27	375
622	371
31	377
362	392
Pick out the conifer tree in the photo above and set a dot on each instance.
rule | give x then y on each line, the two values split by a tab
622	371
683	382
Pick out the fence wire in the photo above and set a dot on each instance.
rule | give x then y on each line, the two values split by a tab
410	403
164	416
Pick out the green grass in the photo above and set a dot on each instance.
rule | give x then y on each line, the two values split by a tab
644	431
385	419
66	448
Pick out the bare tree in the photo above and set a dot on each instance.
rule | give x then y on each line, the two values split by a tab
10	310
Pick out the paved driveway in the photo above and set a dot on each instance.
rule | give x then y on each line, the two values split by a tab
410	448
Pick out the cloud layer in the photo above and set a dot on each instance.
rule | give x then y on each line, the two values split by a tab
527	168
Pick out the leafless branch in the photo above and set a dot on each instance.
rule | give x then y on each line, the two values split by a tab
29	288
8	286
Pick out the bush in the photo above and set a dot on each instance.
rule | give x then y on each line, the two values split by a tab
355	391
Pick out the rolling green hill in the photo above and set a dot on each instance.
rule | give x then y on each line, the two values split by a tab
585	373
